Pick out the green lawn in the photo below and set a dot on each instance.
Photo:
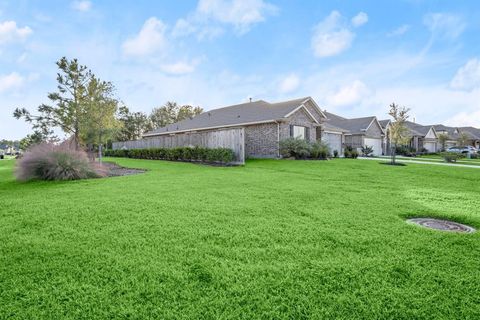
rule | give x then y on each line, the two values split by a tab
270	240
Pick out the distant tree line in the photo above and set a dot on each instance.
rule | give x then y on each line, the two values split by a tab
86	109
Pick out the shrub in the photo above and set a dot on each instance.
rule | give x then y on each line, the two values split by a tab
222	155
51	162
451	156
294	147
350	152
366	151
335	153
405	151
319	150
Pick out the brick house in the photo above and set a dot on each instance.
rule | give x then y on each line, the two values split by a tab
359	132
265	124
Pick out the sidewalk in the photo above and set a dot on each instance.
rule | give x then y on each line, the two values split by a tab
422	162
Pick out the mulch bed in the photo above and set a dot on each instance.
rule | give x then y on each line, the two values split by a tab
114	170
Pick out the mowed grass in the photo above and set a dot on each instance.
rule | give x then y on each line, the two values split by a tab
270	240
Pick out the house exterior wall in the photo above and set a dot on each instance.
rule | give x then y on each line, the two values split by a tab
314	111
354	140
374	131
261	141
334	141
299	118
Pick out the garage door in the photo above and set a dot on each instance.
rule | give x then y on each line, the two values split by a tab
376	144
334	141
430	146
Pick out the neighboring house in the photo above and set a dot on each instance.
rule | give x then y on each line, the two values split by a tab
265	124
421	137
451	132
359	132
474	135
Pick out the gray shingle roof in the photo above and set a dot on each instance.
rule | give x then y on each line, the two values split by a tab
353	126
384	123
255	111
474	133
417	129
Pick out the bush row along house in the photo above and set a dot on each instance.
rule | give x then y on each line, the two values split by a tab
263	125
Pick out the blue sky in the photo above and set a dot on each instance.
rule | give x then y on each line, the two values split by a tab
352	57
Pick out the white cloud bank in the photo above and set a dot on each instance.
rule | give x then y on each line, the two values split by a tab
289	84
444	25
82	6
333	35
360	19
9	32
150	39
210	16
10	82
349	95
468	76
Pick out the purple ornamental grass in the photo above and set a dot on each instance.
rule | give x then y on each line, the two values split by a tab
47	161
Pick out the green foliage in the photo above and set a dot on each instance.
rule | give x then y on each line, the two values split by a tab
295	147
451	156
170	113
405	150
335	153
367	151
319	150
442	139
132	124
210	155
82	107
350	152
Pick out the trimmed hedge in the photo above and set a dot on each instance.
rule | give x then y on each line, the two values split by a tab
216	155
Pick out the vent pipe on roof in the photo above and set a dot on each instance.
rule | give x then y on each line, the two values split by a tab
413	119
250	99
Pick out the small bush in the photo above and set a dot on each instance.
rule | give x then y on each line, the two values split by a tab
319	150
335	153
51	162
350	152
215	155
367	151
294	147
452	156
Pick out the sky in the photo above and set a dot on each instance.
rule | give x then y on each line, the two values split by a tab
353	57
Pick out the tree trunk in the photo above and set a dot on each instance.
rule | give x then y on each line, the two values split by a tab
393	153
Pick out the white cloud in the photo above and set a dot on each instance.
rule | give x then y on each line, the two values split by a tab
9	32
444	24
150	39
82	6
360	19
468	76
242	14
11	81
349	95
180	68
210	17
289	84
331	36
399	31
465	119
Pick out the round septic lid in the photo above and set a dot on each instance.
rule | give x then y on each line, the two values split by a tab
443	225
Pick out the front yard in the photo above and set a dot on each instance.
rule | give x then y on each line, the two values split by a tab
272	239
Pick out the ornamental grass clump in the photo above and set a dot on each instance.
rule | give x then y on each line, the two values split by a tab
56	162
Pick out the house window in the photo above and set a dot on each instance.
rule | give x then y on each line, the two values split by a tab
299	132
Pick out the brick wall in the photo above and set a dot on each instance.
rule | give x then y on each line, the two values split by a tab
261	141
